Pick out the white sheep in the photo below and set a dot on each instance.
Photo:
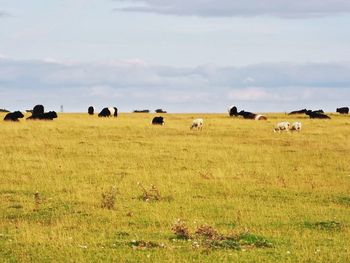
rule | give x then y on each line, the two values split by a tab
296	126
197	123
282	126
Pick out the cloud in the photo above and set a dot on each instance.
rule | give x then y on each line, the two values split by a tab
133	84
227	8
4	14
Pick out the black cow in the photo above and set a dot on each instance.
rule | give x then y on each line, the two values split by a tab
343	110
158	121
91	110
38	109
108	112
160	111
303	111
141	111
232	111
44	116
316	115
247	114
252	116
13	116
318	111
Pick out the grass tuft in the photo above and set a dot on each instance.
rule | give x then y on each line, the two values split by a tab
180	230
152	194
109	198
324	225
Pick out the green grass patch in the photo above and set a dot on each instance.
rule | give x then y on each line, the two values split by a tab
324	225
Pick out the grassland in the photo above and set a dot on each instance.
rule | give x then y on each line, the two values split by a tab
291	190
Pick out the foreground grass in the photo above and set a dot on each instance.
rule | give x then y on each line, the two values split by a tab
237	176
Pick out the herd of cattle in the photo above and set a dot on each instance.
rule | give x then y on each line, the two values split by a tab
38	113
313	114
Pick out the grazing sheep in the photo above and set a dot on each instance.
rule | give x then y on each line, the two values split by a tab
296	126
197	123
282	126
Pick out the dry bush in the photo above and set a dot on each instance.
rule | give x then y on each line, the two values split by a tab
109	198
180	230
152	194
37	200
143	245
208	232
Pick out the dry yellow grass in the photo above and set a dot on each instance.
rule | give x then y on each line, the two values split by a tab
236	175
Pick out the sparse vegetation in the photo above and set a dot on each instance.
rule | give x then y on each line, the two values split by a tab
180	230
291	190
325	225
151	194
108	198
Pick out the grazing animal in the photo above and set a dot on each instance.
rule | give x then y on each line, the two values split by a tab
197	123
13	116
315	115
232	111
108	112
318	111
303	111
343	110
246	114
158	121
252	116
44	116
91	110
282	126
38	109
160	111
260	117
141	111
296	126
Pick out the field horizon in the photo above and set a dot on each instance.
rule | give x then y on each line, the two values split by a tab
82	188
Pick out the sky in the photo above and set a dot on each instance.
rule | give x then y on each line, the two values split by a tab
179	55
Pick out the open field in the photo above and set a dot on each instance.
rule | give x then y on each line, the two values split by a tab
289	191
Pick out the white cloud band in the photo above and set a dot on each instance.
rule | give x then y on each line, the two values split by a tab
212	8
133	83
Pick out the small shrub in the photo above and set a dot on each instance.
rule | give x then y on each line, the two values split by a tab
227	243
141	244
109	198
16	206
180	230
253	240
324	225
206	237
152	194
344	200
37	200
122	234
208	232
